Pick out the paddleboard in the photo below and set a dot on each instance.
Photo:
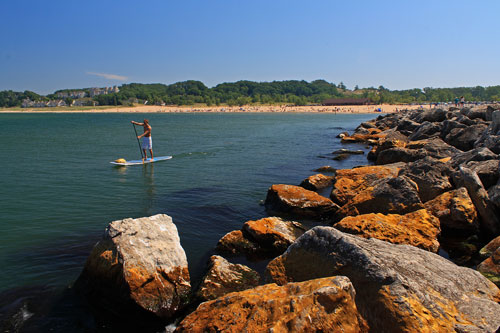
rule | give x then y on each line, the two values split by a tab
139	162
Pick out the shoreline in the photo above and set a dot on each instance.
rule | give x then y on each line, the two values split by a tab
365	109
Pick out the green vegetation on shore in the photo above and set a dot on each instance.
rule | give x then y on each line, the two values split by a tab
248	92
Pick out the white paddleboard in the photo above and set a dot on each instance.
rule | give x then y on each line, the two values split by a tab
139	162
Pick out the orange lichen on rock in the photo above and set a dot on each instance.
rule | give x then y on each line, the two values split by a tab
325	305
417	228
368	138
349	182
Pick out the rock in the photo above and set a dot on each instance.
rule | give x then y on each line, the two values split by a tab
478	154
495	121
464	138
316	182
488	217
448	126
455	210
347	151
341	157
139	264
491	247
434	147
392	140
235	243
398	154
478	113
490	268
399	288
488	171
366	138
387	196
223	278
343	134
326	168
320	305
260	239
274	233
430	175
417	228
432	115
349	182
425	131
407	126
296	201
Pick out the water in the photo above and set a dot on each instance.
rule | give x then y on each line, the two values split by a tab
58	190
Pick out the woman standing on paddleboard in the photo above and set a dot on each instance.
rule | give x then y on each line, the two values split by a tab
147	141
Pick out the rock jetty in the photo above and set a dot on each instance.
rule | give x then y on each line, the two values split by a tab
408	243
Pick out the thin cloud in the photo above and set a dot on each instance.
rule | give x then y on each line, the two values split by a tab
109	76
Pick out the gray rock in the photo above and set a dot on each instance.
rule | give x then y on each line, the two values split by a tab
399	288
407	126
488	171
477	154
431	176
433	115
399	154
139	264
448	126
464	138
489	221
425	131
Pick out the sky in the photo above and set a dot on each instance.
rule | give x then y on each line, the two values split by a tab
400	44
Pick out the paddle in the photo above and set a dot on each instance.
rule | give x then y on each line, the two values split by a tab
137	140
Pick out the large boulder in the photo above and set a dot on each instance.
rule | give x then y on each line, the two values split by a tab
489	220
434	147
139	265
400	154
399	288
455	211
398	195
316	182
430	175
349	182
425	131
320	305
418	228
464	138
429	115
290	200
488	171
224	277
477	154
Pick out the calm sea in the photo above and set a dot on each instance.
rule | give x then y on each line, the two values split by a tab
59	191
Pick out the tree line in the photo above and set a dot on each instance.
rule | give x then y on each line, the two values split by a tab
294	92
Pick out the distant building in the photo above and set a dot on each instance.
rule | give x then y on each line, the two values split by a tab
55	103
27	103
71	94
348	101
103	91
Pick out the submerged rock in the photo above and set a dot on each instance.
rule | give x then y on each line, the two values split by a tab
399	288
139	264
223	278
320	305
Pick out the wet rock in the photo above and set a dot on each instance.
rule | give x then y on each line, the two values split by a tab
430	175
347	151
138	266
488	171
464	138
397	195
490	267
343	134
417	228
349	182
341	157
455	210
399	288
326	168
320	305
296	201
224	277
425	131
489	221
316	182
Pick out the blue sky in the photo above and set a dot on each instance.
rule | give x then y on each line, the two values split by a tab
50	45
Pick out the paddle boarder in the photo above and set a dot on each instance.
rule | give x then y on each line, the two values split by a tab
146	141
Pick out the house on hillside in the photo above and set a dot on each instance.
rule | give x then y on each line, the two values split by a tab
347	101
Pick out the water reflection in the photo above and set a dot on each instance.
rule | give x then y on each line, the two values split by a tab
149	188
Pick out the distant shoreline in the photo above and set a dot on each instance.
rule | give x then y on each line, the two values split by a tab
385	108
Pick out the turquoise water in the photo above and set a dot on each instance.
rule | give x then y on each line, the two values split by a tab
59	191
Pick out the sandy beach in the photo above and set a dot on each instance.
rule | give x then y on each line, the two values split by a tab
385	108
